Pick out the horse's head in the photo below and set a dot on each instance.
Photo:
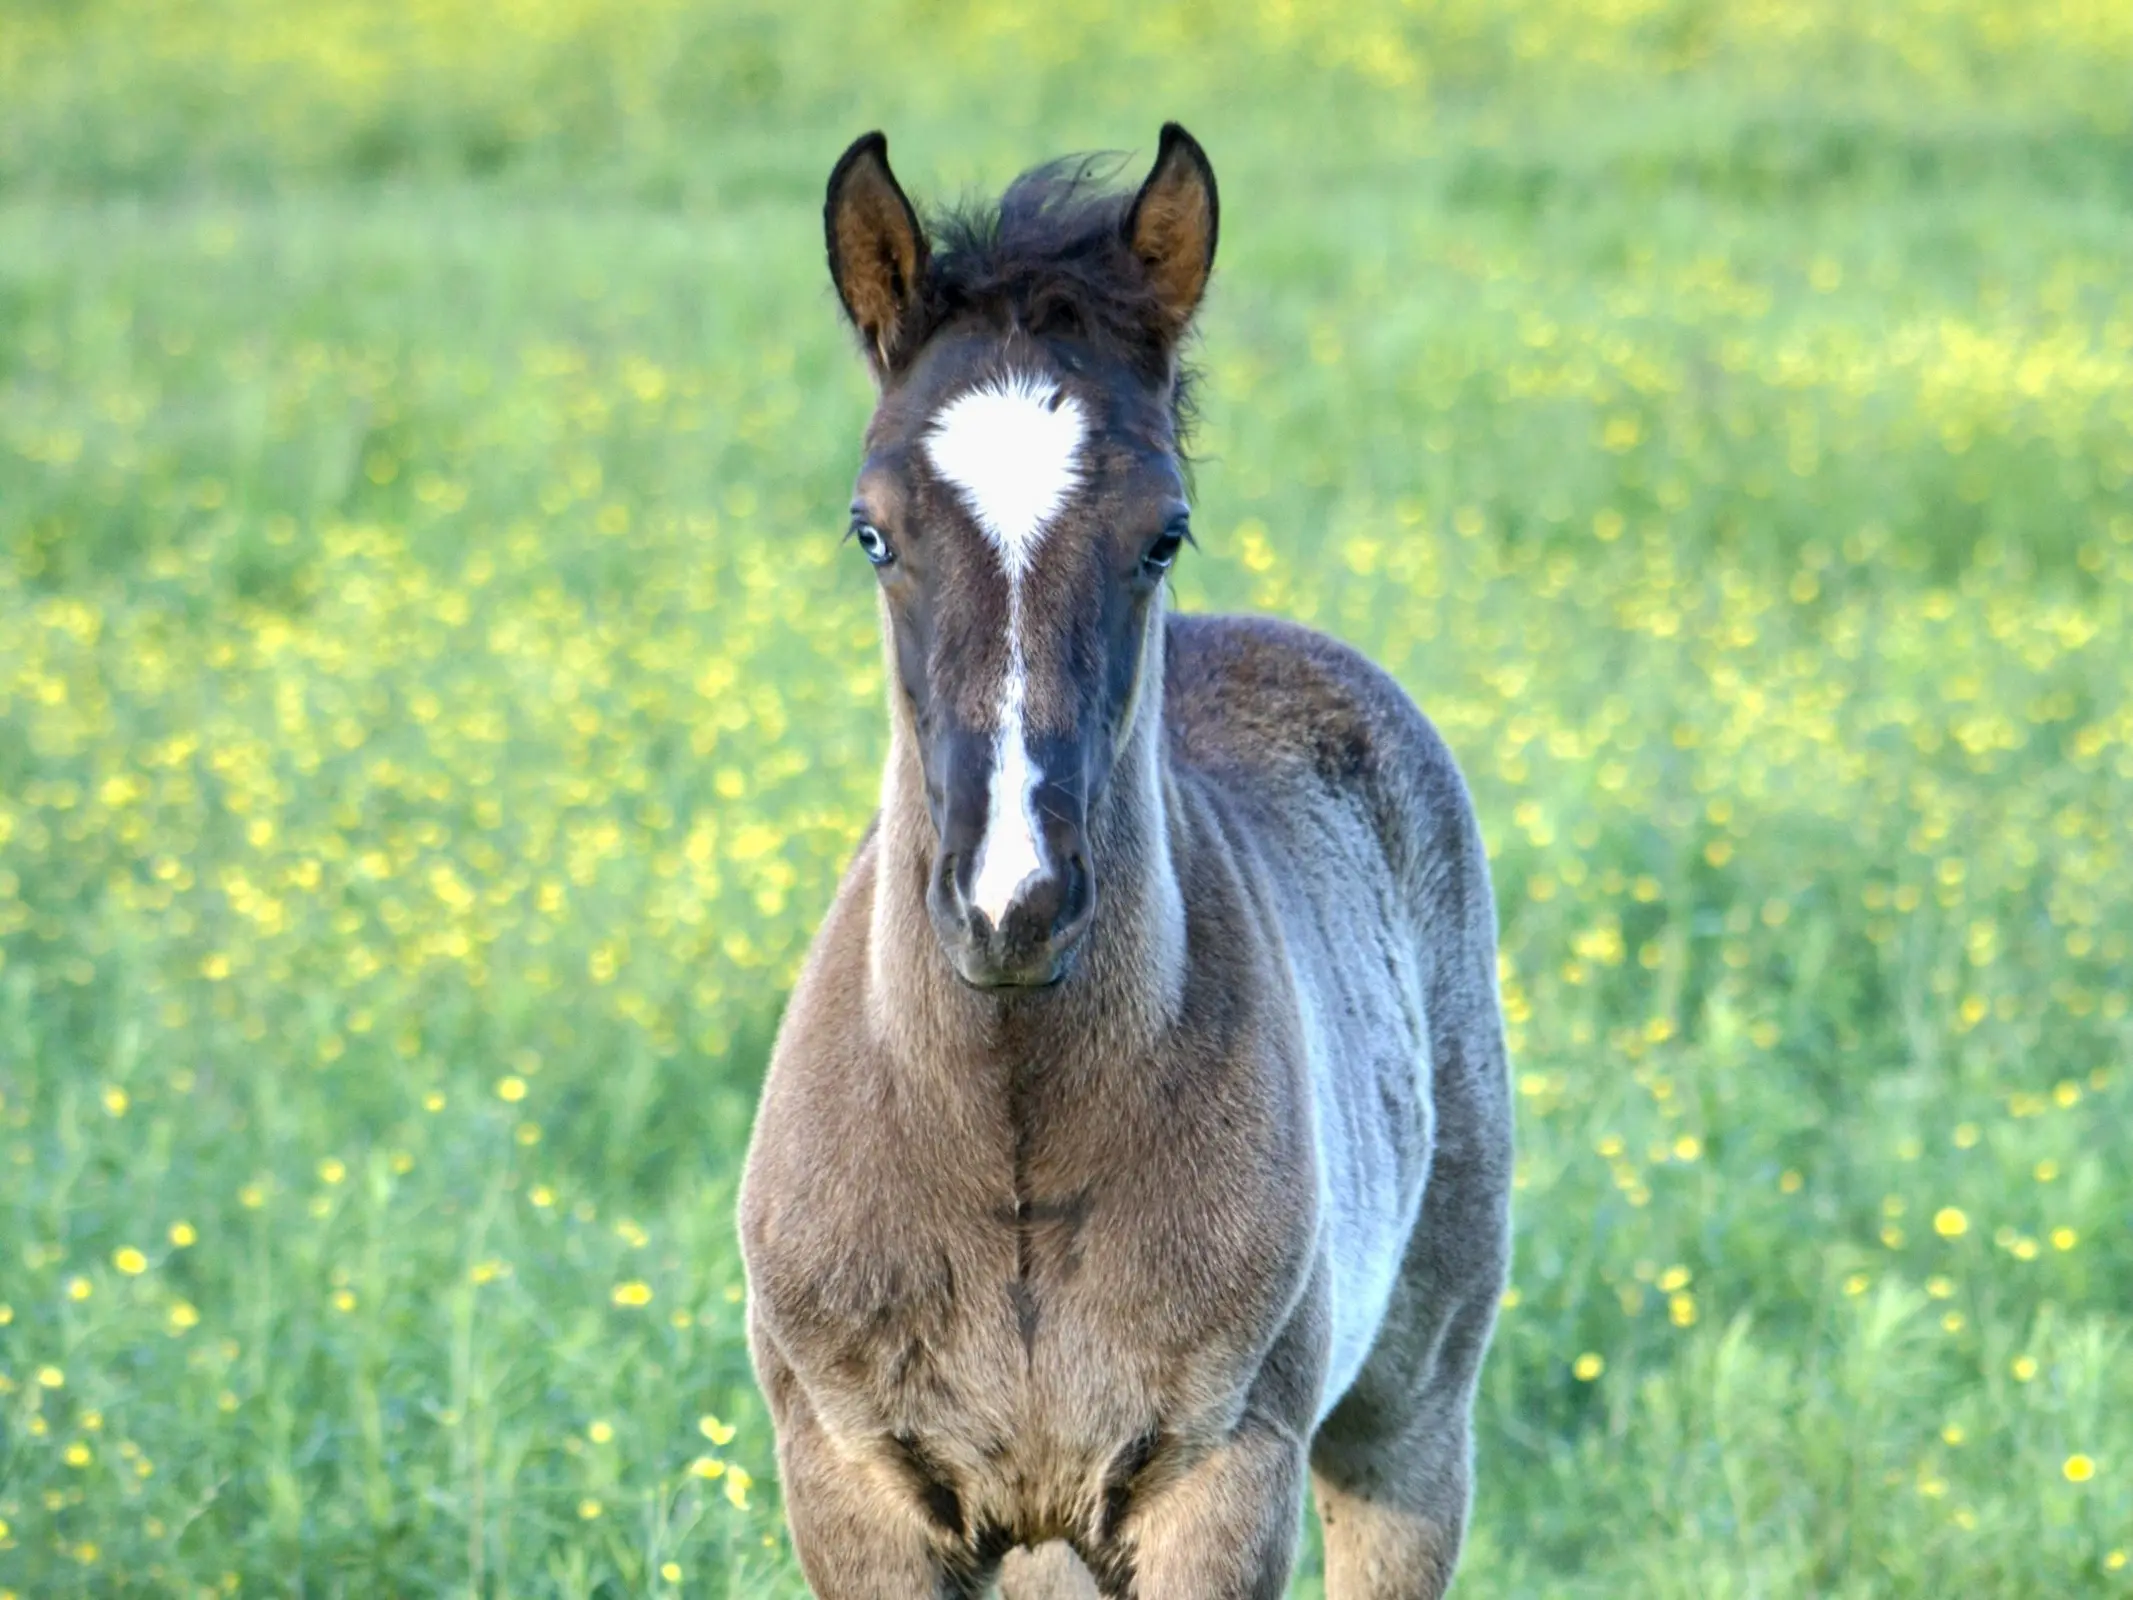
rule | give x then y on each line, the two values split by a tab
1022	499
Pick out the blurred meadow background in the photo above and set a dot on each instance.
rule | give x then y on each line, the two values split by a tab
435	707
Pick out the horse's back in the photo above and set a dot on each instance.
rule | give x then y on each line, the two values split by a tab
1322	732
1356	812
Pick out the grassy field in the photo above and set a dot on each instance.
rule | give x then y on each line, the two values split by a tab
434	708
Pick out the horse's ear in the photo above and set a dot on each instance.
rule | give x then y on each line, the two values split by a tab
877	250
1172	226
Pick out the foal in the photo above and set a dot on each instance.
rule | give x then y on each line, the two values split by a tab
1137	1138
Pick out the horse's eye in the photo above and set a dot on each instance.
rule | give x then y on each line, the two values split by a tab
870	540
1165	549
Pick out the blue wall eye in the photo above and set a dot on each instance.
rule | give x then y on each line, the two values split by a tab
1164	550
870	540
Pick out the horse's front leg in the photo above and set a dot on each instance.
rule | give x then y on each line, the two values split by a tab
860	1531
860	1536
1225	1530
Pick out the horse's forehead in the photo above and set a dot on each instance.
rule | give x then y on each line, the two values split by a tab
1012	448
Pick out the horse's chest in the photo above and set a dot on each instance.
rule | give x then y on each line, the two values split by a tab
932	1313
1017	1344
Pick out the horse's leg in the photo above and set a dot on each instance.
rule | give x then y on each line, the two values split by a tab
1049	1572
855	1537
1392	1465
853	1543
1225	1530
1393	1515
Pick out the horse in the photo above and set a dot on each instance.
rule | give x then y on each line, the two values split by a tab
1136	1143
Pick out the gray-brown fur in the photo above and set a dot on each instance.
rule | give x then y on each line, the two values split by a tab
1041	1275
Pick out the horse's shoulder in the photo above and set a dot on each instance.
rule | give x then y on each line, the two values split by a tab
1260	691
1272	704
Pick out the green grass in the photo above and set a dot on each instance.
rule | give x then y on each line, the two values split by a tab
434	708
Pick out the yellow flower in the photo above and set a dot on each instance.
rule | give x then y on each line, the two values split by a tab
670	1571
344	1300
512	1089
541	1195
78	1455
1856	1284
129	1261
1950	1223
332	1170
2079	1469
1588	1366
737	1485
2064	1238
51	1378
707	1467
719	1433
2024	1368
433	1101
183	1316
116	1100
589	1509
79	1288
1681	1310
634	1293
600	1432
183	1235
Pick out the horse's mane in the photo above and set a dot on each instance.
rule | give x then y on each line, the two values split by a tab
1051	257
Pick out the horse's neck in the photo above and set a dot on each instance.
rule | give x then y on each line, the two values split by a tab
1127	980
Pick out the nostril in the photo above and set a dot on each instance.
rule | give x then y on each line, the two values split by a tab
948	889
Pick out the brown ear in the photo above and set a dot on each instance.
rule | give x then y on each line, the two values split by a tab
877	250
1173	223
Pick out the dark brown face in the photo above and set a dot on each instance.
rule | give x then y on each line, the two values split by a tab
1021	504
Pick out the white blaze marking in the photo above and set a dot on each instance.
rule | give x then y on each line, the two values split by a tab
1010	446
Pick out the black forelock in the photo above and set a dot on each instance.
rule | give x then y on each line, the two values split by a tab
1051	258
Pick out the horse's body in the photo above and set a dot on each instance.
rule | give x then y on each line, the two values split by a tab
1101	1231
